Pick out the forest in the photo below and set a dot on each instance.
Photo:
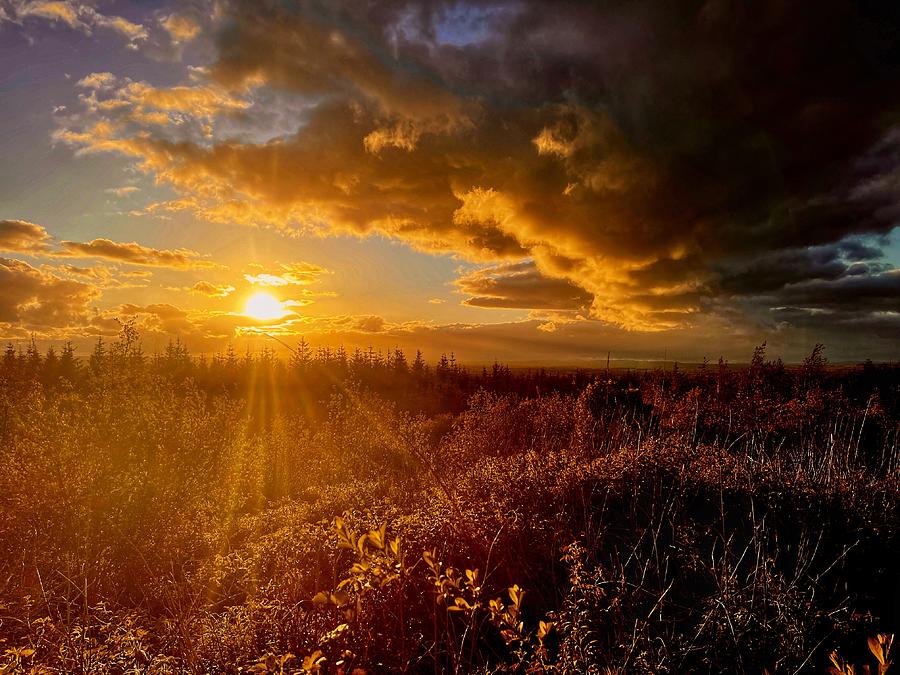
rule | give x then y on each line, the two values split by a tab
370	512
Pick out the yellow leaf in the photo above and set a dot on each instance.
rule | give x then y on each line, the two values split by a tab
544	628
875	648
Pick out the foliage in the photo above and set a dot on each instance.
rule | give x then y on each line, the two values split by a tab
169	514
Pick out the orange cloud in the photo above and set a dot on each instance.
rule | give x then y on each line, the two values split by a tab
20	236
32	300
180	27
212	290
75	15
642	186
120	106
162	317
291	274
102	276
133	254
104	80
123	191
520	286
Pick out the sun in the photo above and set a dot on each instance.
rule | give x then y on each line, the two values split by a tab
264	306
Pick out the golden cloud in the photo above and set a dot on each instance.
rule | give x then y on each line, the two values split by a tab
75	15
212	290
498	199
123	191
123	106
40	302
104	80
290	274
133	254
520	286
55	11
20	236
633	183
102	276
162	317
180	27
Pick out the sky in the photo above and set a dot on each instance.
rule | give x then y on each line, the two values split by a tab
530	182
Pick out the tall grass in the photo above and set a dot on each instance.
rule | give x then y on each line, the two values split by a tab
284	518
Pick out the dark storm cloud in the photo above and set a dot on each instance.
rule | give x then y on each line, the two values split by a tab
858	313
879	292
664	157
854	332
855	250
780	268
748	119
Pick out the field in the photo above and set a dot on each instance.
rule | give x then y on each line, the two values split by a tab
366	513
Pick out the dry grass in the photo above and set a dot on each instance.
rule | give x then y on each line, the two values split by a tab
155	517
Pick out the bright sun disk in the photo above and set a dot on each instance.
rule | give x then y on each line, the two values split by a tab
264	306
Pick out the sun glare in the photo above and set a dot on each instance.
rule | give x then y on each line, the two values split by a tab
264	306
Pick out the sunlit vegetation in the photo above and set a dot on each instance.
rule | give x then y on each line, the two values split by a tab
367	512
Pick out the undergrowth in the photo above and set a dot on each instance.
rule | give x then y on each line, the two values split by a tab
724	520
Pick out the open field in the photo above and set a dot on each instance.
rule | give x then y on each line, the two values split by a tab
169	514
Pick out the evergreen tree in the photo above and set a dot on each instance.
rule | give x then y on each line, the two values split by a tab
418	365
33	360
400	364
69	363
50	370
97	361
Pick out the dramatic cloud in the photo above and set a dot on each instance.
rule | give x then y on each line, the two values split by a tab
35	301
791	266
664	163
520	286
133	254
20	236
857	293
